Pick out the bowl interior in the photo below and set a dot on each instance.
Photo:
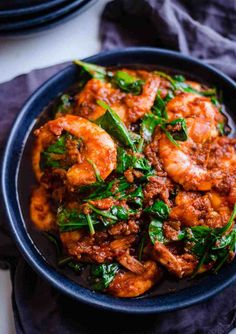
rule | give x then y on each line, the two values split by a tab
18	180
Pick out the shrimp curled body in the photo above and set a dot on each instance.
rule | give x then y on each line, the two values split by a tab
187	164
97	147
128	284
129	107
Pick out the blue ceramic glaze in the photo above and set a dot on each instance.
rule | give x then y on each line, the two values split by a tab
8	10
210	285
43	18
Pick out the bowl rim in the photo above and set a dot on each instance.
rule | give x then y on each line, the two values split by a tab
28	250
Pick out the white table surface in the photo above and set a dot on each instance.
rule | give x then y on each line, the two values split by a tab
77	38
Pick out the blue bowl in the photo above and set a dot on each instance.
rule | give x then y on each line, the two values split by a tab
43	18
9	9
208	285
51	22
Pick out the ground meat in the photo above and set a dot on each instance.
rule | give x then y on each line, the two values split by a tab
104	203
158	186
193	209
73	153
151	152
86	100
171	230
99	248
129	175
124	228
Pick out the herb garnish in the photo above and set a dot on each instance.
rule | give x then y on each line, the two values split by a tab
178	83
159	212
102	275
211	244
127	82
112	123
95	71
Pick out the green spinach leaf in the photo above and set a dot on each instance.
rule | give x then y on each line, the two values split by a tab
149	123
66	104
59	146
121	212
159	107
124	160
127	82
221	128
178	83
112	123
70	220
95	71
155	231
102	275
136	197
182	133
159	209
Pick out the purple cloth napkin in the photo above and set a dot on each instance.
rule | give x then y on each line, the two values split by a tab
203	29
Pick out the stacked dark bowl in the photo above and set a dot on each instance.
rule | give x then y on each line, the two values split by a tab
22	17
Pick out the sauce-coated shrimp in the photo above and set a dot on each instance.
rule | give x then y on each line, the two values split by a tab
97	248
222	165
193	105
130	263
97	147
40	211
128	284
193	209
179	265
186	164
203	161
129	107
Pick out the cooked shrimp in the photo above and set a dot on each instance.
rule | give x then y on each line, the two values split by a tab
97	248
222	166
203	161
40	211
186	164
187	105
193	209
97	90
194	85
179	265
127	284
130	263
97	149
129	107
138	106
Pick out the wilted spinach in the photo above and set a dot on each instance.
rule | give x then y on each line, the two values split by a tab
178	82
49	157
126	161
211	244
221	128
66	104
136	197
102	275
159	210
155	231
95	71
112	123
180	134
69	262
159	106
71	219
127	82
96	171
